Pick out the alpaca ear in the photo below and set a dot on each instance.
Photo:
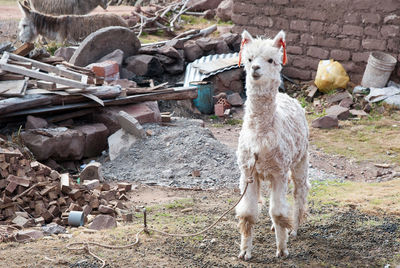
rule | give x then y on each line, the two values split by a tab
280	42
24	9
246	37
279	39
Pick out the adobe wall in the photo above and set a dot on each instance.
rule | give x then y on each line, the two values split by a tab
346	31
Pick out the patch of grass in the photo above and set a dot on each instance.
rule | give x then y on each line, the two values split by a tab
194	19
219	125
213	117
234	122
362	139
52	47
371	198
181	203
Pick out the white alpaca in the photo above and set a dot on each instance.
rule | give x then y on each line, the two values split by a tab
275	131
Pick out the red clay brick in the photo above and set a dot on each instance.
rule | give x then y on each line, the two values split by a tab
317	52
370	18
350	43
340	55
317	27
294	50
360	56
240	19
297	73
270	11
299	25
352	30
371	31
308	39
390	30
374	44
327	42
281	23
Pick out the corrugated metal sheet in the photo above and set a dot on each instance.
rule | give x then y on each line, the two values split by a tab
193	74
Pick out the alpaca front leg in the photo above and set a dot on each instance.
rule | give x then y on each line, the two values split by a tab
247	212
279	214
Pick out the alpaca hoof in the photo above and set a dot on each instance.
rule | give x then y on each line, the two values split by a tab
244	255
293	233
282	253
272	228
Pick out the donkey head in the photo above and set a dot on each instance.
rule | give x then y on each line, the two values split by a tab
104	3
262	58
27	30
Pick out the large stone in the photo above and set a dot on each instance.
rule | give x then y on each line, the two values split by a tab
176	43
102	222
92	171
29	234
222	47
95	138
33	122
117	56
192	51
203	5
146	112
20	221
170	52
131	124
65	52
175	68
58	143
337	97
144	65
207	43
325	122
224	10
230	38
340	112
120	141
231	80
234	99
104	41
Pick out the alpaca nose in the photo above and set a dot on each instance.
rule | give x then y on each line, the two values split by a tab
255	67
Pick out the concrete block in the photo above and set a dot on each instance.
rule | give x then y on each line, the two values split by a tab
91	172
120	141
131	125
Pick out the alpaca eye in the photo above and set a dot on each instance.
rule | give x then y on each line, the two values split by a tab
250	60
270	61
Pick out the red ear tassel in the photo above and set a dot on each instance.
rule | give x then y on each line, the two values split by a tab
244	41
283	44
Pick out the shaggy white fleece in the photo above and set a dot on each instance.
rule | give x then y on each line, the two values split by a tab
275	131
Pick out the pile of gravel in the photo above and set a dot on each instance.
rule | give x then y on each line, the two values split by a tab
173	155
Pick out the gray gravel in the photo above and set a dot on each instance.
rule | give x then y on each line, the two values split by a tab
172	155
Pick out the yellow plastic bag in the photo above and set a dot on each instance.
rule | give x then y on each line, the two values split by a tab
330	75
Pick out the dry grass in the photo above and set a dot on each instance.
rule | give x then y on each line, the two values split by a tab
374	139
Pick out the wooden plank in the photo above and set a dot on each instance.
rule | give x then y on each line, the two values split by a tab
42	76
45	91
13	86
46	85
24	49
27	102
50	68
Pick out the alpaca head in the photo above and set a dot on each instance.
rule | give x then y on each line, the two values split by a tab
27	30
262	58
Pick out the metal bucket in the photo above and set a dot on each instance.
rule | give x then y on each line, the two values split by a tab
380	66
205	92
76	218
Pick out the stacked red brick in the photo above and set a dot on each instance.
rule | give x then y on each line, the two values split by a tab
345	31
34	194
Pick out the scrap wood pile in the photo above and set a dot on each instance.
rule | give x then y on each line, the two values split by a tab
32	194
29	87
153	18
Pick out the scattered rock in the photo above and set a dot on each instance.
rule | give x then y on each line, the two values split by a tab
358	113
106	209
120	141
29	234
117	56
340	112
95	138
144	65
224	10
20	221
33	122
92	171
325	122
338	97
104	41
103	222
65	52
207	43
53	228
131	125
203	5
91	184
234	99
222	47
57	143
192	51
346	103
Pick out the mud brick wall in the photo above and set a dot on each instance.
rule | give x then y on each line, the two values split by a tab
346	31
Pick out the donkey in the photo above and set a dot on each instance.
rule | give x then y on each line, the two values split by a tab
66	7
66	28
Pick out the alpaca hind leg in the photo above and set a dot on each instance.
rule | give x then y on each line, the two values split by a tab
301	188
247	212
279	212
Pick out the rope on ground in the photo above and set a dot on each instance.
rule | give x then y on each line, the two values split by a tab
85	245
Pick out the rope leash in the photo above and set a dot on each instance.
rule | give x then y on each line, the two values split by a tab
85	245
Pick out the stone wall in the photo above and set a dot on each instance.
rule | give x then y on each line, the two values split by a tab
346	31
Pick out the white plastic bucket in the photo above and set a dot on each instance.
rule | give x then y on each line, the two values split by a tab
380	66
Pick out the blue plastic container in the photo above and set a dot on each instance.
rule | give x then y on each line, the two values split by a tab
205	92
